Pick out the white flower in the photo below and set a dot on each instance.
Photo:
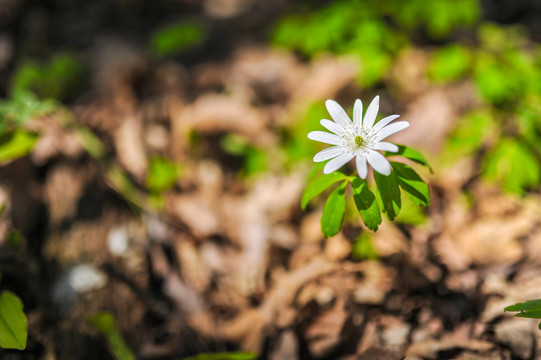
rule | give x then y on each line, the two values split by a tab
360	138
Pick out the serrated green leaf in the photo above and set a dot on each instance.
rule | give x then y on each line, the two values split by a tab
333	211
412	184
318	185
389	193
16	144
13	323
105	323
366	204
224	356
411	154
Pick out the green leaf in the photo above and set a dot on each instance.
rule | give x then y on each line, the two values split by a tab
411	213
470	134
512	164
13	323
224	356
22	106
90	142
333	211
389	193
412	184
411	154
366	204
530	314
162	174
449	63
105	323
177	38
529	309
16	144
528	305
318	185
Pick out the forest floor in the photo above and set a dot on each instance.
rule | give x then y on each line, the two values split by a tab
231	262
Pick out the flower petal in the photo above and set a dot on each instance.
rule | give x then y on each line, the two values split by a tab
332	126
358	113
324	137
385	146
381	124
337	113
371	113
337	162
391	129
379	162
328	153
362	169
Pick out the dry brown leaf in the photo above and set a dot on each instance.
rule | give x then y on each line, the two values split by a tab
432	115
214	113
518	334
430	349
337	248
326	76
128	139
376	283
282	73
63	189
193	269
409	72
287	347
325	333
200	215
54	140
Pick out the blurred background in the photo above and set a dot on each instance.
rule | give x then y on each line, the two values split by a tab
153	155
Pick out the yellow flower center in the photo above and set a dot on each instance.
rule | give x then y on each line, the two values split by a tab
359	141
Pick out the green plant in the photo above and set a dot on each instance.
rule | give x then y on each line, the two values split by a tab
360	139
177	38
13	323
529	309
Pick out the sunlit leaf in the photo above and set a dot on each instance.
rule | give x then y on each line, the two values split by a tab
162	174
529	309
174	39
389	193
57	79
13	323
333	211
470	134
16	144
411	213
449	63
513	165
105	324
22	106
411	154
412	183
366	204
318	185
525	306
494	81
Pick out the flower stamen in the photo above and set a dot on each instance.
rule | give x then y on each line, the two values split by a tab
359	141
